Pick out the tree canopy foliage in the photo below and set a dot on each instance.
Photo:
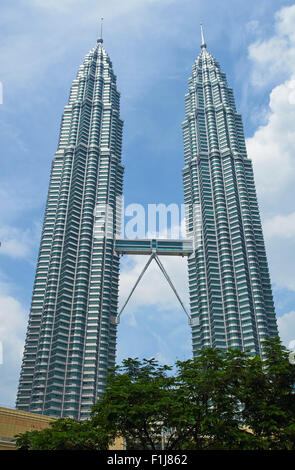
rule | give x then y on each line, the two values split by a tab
217	400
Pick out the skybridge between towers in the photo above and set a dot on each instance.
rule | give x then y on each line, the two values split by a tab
155	248
72	328
159	246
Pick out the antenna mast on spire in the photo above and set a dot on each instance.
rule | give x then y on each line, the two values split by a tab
100	38
203	45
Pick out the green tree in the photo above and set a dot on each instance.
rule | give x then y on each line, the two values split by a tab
218	400
209	389
198	408
66	434
136	402
268	397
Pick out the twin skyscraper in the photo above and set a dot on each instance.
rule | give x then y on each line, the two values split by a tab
71	335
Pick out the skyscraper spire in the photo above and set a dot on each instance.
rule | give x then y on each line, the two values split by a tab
203	44
230	290
71	340
100	38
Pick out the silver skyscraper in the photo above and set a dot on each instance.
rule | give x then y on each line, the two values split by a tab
230	292
71	336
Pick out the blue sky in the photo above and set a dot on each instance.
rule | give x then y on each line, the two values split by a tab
152	44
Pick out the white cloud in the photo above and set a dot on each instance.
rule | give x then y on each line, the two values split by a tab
275	55
18	243
272	146
282	226
153	323
153	288
279	233
13	320
12	327
286	325
268	56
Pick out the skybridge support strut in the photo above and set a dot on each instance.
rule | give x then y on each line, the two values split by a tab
166	275
156	258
